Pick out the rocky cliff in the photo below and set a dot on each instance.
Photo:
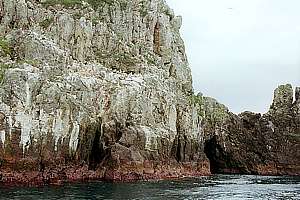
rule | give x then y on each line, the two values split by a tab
95	89
101	89
252	143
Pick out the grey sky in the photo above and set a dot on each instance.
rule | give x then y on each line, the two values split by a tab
241	50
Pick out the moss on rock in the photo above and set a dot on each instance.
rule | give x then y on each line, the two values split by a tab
47	22
3	68
210	109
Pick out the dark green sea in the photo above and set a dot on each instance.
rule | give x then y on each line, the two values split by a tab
214	187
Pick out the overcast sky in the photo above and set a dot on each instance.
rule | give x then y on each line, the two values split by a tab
241	50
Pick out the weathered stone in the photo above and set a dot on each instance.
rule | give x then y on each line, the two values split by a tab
105	86
297	94
252	143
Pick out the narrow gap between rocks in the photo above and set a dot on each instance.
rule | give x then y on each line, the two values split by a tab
98	152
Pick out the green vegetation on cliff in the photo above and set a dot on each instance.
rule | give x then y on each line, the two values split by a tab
5	47
3	68
47	22
210	109
72	3
66	3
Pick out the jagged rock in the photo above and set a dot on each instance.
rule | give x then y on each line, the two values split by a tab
283	100
297	95
251	143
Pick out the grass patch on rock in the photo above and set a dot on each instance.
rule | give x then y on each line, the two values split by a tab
65	3
3	68
5	47
47	22
72	3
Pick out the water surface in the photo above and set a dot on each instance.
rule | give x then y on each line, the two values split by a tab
214	187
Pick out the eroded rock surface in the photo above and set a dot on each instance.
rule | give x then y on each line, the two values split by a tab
251	143
97	89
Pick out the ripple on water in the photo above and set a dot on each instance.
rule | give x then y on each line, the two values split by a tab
214	187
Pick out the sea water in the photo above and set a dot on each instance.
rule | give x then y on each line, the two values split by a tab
212	187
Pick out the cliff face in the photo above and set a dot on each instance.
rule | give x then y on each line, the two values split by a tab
95	90
251	143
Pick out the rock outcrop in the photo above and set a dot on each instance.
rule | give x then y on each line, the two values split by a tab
95	89
251	143
101	89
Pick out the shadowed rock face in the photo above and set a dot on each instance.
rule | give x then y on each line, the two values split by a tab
251	143
95	91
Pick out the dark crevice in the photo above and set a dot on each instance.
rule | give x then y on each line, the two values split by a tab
91	148
177	142
2	10
185	146
156	39
97	152
118	128
222	162
13	21
178	154
212	153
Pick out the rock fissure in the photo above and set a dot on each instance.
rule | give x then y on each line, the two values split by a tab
156	37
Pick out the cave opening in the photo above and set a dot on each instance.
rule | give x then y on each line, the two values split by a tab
97	151
214	154
222	161
211	151
91	145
